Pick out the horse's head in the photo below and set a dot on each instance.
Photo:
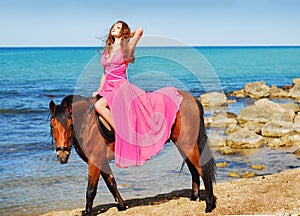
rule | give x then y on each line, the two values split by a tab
61	124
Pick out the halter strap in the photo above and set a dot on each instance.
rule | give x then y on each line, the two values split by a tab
63	149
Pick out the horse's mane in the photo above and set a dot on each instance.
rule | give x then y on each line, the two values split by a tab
62	110
68	100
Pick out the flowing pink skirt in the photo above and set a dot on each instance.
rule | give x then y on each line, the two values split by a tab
143	121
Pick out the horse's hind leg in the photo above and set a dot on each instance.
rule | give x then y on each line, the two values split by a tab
206	171
195	180
192	159
109	179
207	178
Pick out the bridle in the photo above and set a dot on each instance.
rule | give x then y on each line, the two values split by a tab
63	149
83	127
73	136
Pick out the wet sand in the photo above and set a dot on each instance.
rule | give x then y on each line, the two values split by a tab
277	194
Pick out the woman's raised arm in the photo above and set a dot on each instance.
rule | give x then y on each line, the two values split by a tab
135	37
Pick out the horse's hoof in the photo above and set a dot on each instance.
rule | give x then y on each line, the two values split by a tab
194	195
193	198
121	207
84	213
211	206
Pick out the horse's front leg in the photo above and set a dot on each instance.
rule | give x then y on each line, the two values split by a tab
93	178
110	181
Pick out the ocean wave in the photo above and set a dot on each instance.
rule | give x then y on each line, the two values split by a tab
9	93
25	146
5	111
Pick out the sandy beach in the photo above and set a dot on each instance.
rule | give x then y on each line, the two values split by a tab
277	194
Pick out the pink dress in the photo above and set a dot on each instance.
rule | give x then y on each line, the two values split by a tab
143	120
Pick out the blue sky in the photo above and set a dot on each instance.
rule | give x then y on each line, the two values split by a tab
194	22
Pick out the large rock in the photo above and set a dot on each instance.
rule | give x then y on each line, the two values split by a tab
221	119
295	90
274	142
276	92
213	99
262	112
226	150
243	139
277	129
287	140
216	140
291	107
257	89
296	82
232	129
297	119
238	93
291	138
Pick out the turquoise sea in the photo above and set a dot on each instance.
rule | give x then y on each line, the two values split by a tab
32	182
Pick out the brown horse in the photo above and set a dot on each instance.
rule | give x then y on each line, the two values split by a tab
75	122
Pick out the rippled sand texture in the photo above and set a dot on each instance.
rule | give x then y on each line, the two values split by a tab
276	194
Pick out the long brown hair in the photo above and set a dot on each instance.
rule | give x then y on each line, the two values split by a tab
125	37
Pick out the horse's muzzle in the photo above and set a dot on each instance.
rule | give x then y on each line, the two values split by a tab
62	156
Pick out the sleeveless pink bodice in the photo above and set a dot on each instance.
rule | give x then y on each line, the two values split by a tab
115	70
115	67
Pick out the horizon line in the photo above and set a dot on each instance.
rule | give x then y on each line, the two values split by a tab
200	45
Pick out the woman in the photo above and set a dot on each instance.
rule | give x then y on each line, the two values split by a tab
142	121
119	51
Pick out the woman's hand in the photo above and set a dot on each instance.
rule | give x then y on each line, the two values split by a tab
94	94
132	34
137	33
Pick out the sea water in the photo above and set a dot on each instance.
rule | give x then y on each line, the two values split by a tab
32	182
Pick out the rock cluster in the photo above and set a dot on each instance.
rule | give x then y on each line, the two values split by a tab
263	123
259	89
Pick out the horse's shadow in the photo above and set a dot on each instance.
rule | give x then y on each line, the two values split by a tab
155	200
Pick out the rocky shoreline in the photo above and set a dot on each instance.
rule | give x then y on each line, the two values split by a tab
263	123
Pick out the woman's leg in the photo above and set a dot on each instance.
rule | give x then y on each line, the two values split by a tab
101	107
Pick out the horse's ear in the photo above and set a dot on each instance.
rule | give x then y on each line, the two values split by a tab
52	107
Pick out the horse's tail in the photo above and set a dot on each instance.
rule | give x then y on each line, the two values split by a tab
207	160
